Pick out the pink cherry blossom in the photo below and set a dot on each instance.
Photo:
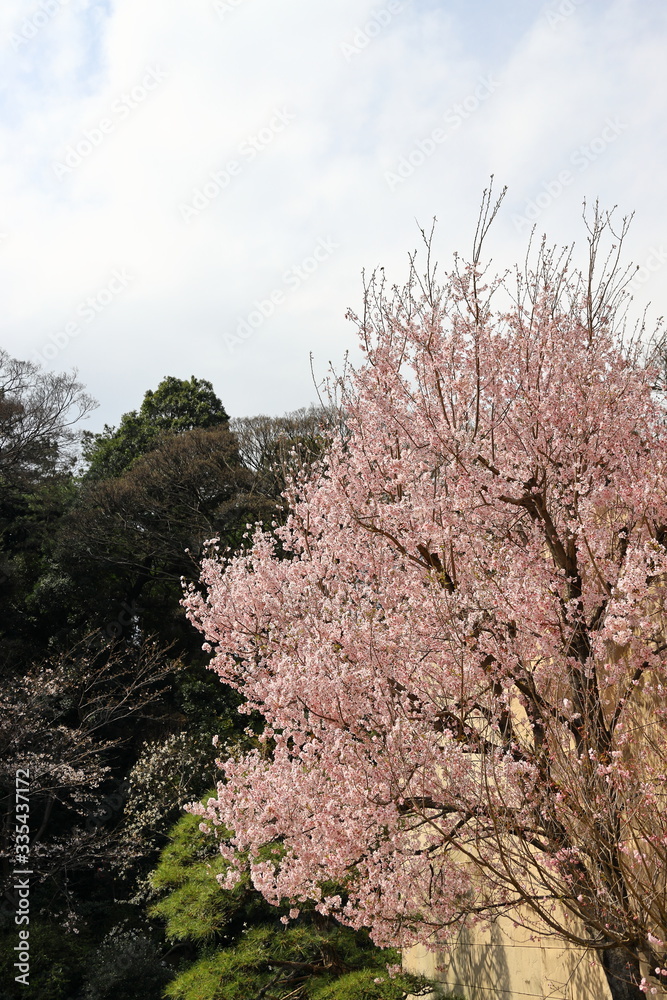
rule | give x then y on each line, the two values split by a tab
457	639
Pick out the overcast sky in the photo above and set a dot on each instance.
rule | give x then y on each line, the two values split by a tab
194	187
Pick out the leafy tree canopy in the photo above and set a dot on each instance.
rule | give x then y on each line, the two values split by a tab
177	405
38	414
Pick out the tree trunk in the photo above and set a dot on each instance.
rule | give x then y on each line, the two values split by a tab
623	975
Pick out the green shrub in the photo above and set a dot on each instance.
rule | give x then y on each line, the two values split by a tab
244	950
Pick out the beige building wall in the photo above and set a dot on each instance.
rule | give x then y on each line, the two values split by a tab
503	963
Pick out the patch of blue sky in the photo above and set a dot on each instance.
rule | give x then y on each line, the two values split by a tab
53	51
52	62
92	24
486	27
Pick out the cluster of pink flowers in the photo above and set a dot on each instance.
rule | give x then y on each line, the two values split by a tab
459	648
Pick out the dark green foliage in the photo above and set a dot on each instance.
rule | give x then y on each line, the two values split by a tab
36	591
58	961
127	965
117	728
66	965
176	406
181	405
139	533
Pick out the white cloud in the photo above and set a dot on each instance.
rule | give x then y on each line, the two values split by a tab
322	176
